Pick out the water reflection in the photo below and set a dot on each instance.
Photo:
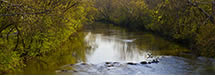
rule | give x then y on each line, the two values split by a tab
112	48
118	40
110	43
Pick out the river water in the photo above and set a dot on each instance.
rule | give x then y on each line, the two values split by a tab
100	44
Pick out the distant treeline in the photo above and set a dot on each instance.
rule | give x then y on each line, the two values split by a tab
189	22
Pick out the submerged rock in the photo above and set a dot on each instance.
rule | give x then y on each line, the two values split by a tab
155	61
107	62
131	63
83	63
116	63
143	62
110	65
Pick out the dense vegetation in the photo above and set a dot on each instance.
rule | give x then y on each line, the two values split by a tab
128	13
189	22
32	28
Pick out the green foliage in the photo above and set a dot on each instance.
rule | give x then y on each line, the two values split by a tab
190	22
32	28
129	13
10	61
206	40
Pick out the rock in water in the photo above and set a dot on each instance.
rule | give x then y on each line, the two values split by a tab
110	66
116	63
83	63
130	63
148	62
143	62
107	62
155	61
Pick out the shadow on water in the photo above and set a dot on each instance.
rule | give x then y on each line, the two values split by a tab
69	52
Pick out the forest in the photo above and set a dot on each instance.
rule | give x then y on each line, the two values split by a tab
35	28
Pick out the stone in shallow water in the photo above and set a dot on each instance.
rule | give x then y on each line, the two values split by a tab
115	62
155	61
131	63
143	62
83	63
107	62
110	65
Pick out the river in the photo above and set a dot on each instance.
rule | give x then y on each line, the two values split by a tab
107	49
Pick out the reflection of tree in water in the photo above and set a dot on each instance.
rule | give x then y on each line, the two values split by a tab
128	51
90	41
125	50
158	45
105	29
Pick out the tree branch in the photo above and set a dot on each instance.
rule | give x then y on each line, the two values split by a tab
17	42
9	33
70	7
5	27
202	10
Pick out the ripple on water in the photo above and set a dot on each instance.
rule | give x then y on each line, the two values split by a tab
168	65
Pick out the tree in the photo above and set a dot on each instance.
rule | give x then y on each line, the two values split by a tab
31	28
